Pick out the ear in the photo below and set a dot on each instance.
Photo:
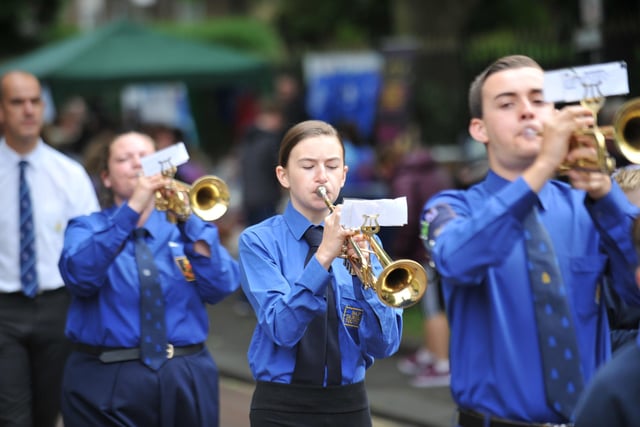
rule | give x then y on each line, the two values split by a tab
106	180
283	176
478	131
638	277
344	176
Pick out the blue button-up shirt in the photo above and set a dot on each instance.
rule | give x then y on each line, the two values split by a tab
99	268
480	253
286	296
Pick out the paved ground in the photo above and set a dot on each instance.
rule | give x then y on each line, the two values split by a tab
393	402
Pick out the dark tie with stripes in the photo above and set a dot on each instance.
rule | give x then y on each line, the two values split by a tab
153	330
319	349
556	335
28	273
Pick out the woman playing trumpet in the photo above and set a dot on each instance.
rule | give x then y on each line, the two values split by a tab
318	330
111	379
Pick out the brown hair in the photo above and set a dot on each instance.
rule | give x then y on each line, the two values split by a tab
302	131
105	195
502	64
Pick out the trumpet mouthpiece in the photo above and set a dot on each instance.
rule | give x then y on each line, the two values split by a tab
530	133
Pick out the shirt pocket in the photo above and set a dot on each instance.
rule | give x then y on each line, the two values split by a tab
586	275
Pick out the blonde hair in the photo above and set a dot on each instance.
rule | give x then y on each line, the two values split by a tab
628	177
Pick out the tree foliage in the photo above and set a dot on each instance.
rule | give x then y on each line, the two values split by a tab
26	24
334	23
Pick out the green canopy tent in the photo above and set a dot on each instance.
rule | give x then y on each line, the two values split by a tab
103	61
124	52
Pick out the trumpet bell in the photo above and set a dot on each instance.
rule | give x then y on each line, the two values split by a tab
401	283
627	130
209	197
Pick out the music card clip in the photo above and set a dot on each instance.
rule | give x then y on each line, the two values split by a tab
172	156
387	212
588	81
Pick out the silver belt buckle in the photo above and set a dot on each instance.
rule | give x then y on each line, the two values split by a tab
556	425
170	351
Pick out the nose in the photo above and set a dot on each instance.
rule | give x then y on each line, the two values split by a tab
137	164
321	174
28	107
526	111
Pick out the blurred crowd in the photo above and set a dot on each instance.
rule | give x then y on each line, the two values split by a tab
81	126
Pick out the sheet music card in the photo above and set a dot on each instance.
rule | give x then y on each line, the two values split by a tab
589	81
391	212
174	155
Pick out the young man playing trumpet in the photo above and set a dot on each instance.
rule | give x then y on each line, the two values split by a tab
510	365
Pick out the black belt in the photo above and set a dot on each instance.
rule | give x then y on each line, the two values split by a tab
473	419
113	355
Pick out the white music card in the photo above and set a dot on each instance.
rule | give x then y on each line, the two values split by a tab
588	81
387	212
174	155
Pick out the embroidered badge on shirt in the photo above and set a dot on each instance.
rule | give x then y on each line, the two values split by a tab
185	267
352	317
434	219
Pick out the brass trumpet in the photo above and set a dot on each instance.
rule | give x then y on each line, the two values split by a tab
401	283
208	197
624	132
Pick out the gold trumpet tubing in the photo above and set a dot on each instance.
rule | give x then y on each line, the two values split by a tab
173	200
360	266
401	283
599	136
208	198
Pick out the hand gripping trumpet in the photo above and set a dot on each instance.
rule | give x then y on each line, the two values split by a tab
401	283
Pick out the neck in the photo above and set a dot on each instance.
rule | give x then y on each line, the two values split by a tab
22	147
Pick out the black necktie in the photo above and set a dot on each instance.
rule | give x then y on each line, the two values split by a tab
153	333
28	273
556	335
319	347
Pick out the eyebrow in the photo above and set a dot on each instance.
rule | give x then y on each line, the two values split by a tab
509	94
311	159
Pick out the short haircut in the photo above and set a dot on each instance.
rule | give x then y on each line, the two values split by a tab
504	63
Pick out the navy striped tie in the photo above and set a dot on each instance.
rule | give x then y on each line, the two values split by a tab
556	335
28	273
153	329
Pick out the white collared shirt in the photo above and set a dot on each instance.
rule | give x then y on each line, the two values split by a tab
60	190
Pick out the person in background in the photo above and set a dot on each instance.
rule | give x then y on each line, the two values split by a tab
360	158
33	299
289	92
623	319
414	173
261	192
612	397
488	243
317	329
110	378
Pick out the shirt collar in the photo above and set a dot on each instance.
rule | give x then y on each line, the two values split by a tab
10	157
494	183
297	223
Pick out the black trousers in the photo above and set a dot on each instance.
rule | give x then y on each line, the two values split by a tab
292	405
33	351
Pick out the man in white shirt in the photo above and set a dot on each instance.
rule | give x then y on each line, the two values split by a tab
33	348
